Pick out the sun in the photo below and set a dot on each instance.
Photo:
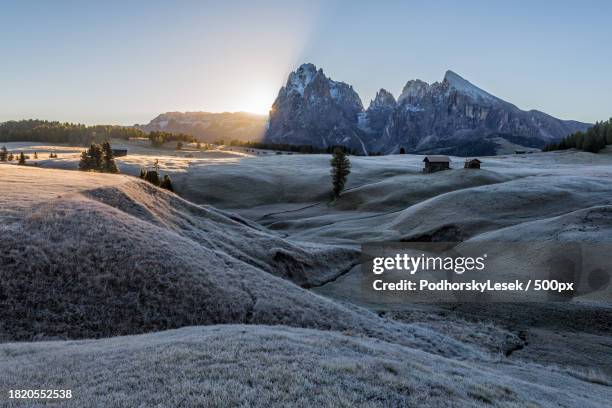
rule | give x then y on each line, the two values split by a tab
257	99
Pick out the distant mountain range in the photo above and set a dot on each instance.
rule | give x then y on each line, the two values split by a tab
209	127
452	117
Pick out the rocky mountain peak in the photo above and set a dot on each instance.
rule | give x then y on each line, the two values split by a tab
415	88
463	86
315	110
452	116
302	77
383	99
377	115
453	77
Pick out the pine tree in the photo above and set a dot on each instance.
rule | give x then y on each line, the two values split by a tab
35	155
22	159
589	144
10	157
152	177
91	159
3	154
340	169
166	183
108	160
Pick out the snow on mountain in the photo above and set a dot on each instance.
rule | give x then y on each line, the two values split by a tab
312	109
467	88
414	89
301	78
453	116
379	110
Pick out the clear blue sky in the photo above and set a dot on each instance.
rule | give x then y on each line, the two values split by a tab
126	61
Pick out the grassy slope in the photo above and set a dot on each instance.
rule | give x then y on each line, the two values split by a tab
128	258
194	260
276	366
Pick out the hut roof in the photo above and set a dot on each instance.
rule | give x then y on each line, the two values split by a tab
436	159
472	160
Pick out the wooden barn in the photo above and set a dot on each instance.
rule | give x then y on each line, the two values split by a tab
436	163
472	164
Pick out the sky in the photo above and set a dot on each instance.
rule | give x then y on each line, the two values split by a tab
124	62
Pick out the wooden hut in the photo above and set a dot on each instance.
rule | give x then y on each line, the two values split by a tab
472	164
436	163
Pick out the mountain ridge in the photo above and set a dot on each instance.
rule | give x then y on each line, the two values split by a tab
452	116
210	126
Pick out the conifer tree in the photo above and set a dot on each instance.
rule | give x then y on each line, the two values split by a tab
589	144
22	159
91	159
166	183
3	153
152	176
108	160
340	169
35	155
10	157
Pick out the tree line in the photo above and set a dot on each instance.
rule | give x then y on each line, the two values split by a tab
593	140
58	132
158	138
284	147
34	130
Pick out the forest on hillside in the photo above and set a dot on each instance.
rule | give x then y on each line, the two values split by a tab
593	140
34	130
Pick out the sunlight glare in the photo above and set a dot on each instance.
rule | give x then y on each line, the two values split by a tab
258	98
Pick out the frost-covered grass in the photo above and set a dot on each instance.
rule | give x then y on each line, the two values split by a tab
125	257
92	255
261	366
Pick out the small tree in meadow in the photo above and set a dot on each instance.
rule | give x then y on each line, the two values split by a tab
166	183
108	160
3	154
22	159
91	159
152	177
340	169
